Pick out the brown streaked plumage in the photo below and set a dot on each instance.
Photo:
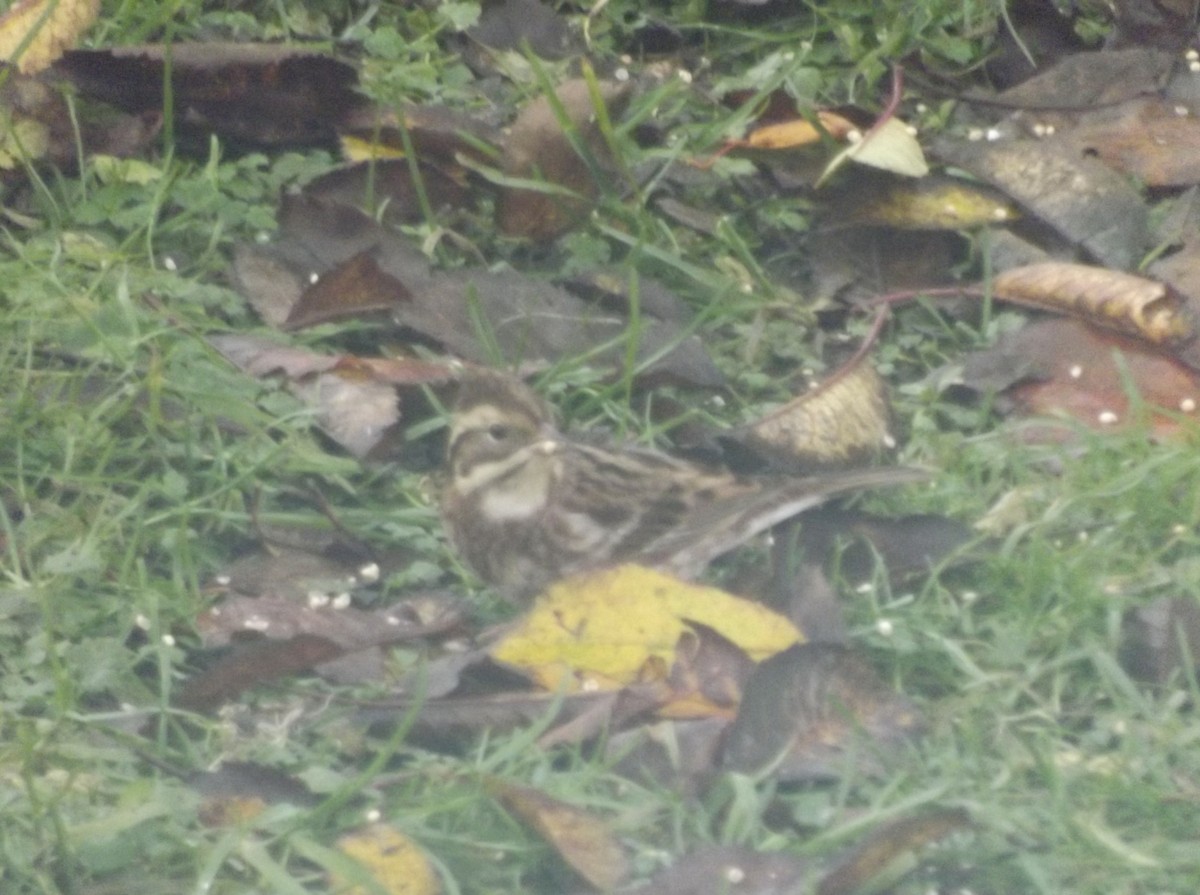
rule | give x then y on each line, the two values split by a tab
525	505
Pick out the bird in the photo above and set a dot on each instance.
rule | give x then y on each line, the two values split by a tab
525	505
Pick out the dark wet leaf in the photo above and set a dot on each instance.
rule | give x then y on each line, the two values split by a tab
238	789
858	264
1086	206
299	637
1162	638
523	25
388	184
812	708
475	314
1093	79
262	93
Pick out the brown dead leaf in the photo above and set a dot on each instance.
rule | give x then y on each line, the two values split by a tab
567	161
387	186
813	707
352	289
392	861
1062	367
1111	299
299	637
34	33
582	840
797	133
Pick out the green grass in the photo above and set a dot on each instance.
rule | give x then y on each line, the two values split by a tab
130	456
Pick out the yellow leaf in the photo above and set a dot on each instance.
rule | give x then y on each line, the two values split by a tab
34	33
394	860
600	630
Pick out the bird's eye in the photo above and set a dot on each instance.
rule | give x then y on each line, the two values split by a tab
499	432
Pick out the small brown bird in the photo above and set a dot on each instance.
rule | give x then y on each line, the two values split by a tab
525	505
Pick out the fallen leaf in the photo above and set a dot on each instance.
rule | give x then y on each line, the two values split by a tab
603	630
582	840
565	153
812	708
888	146
1065	368
34	33
937	202
394	862
263	93
1111	299
1088	208
841	421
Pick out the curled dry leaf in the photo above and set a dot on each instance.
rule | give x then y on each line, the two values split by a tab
841	421
582	840
1111	299
34	33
